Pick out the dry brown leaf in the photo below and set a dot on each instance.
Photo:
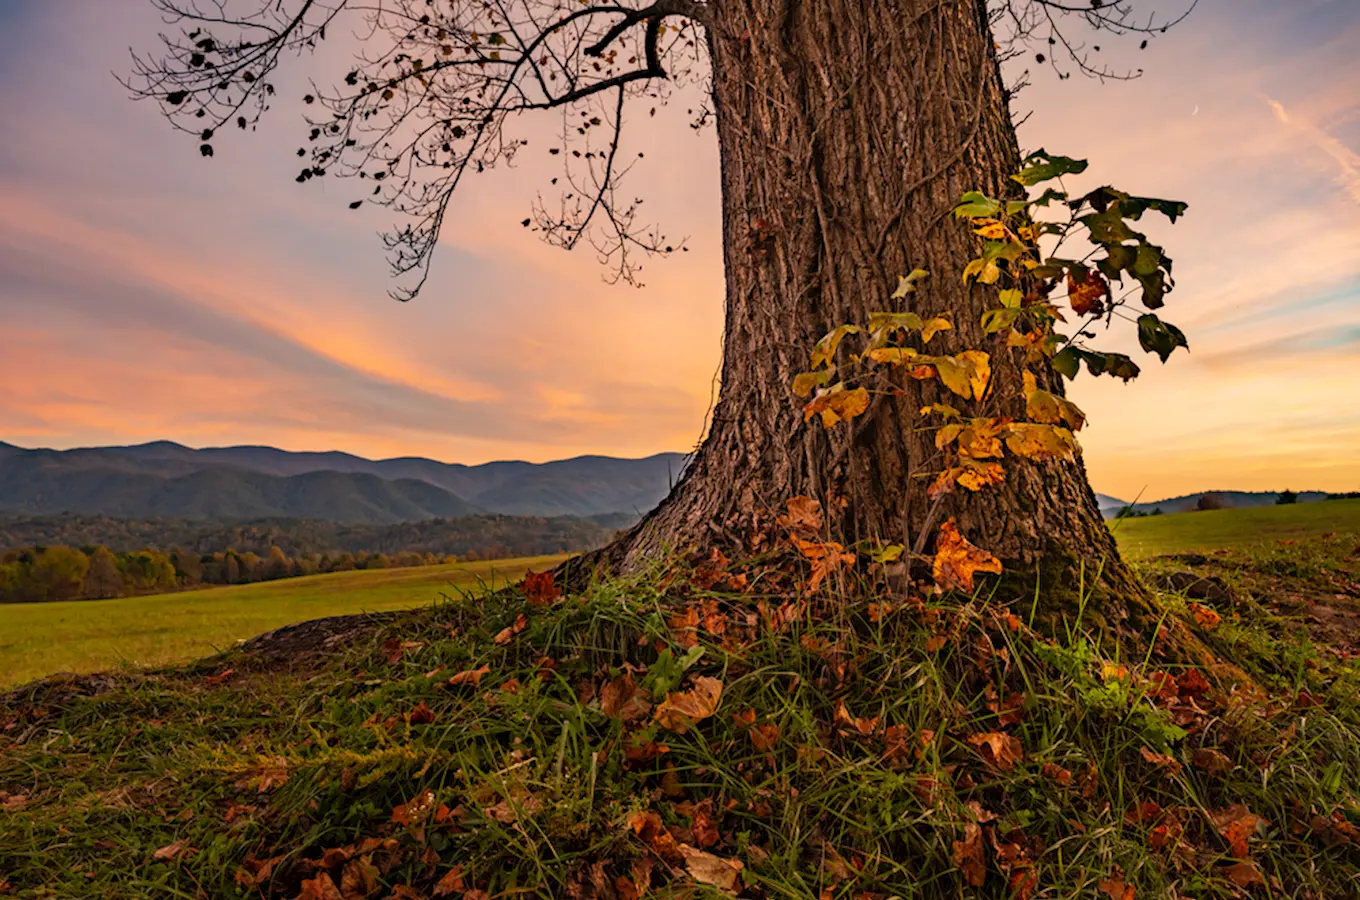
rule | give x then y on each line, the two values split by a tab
1237	824
451	883
539	588
999	750
804	516
853	724
957	561
1211	761
969	855
1161	761
1206	617
507	634
620	699
358	880
706	868
682	709
322	887
1087	297
1115	888
469	676
826	557
1244	874
170	852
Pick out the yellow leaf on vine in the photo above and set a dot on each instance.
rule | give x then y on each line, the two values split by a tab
981	366
990	229
837	406
981	439
977	476
933	327
1041	442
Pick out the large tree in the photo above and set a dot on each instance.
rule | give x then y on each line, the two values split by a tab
848	130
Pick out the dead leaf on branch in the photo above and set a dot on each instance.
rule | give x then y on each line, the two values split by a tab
957	561
682	709
1087	297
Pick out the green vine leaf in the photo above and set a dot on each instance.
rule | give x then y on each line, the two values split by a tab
1159	337
1040	167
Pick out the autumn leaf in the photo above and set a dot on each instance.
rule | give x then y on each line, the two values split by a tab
933	327
647	825
1211	761
358	880
539	588
825	349
1205	617
969	855
1244	874
322	887
1161	761
469	676
853	724
421	715
999	750
804	516
826	557
981	438
1087	297
1041	442
935	643
956	560
620	699
451	883
706	868
980	371
1055	772
1237	824
507	634
836	406
682	709
171	852
1115	888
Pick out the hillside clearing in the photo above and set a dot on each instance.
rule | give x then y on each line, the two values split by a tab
92	635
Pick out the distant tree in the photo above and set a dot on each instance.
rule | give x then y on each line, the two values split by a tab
59	572
103	580
231	568
1157	511
1212	501
1285	498
188	567
277	565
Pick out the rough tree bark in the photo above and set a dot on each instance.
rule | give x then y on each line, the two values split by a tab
848	129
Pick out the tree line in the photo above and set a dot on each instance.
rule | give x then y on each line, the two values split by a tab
45	574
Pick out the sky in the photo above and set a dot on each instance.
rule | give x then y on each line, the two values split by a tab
148	293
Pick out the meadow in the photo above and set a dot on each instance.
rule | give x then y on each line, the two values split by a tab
89	636
92	635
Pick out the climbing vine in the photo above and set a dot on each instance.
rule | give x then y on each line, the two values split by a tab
1039	289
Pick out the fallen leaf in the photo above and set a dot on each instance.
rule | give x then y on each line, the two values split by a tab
1211	761
935	643
647	825
469	676
804	516
956	560
1115	888
170	852
969	855
1161	760
1244	874
620	699
852	724
451	883
540	589
826	557
1206	617
999	750
1057	773
358	880
1237	824
682	709
706	868
421	715
219	677
507	634
322	887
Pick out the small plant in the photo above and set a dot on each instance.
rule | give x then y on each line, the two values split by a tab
986	422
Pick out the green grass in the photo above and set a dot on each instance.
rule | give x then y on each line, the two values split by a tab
88	636
375	772
1235	528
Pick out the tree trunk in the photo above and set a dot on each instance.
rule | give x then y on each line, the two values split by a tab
848	129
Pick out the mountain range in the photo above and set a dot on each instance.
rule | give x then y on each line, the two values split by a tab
1112	506
240	483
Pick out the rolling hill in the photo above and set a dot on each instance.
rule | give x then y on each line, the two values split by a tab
240	483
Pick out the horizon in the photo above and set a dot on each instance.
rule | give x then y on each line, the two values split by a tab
161	296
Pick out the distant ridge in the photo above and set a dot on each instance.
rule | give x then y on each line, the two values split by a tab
1190	502
168	479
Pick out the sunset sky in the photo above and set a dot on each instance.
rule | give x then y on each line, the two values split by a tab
148	293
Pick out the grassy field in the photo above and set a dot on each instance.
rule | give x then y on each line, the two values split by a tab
1235	528
87	636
